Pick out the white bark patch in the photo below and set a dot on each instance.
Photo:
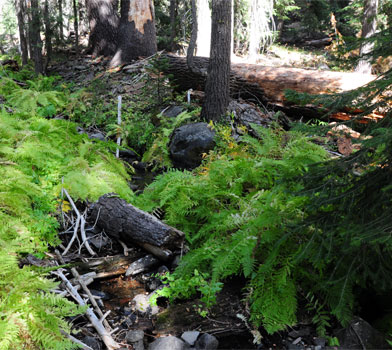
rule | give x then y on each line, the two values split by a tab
140	12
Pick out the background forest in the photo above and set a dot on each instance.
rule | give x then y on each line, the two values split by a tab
293	212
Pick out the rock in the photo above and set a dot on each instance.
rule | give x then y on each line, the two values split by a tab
319	342
97	136
246	114
302	332
190	337
360	334
168	343
176	261
128	155
80	67
189	142
207	342
92	342
153	284
172	111
135	338
142	304
141	265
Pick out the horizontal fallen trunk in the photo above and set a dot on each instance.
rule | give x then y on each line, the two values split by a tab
123	221
267	84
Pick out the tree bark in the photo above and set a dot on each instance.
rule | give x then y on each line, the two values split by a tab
192	43
260	14
104	20
218	79
203	14
48	35
20	13
369	26
123	221
266	84
76	26
173	24
137	35
35	37
61	22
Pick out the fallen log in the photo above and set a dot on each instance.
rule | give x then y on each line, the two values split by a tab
266	84
122	220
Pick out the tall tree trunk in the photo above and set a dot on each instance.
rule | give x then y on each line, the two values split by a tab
192	42
137	35
218	79
48	35
232	29
35	37
260	14
369	26
173	24
61	22
20	13
203	42
76	26
104	21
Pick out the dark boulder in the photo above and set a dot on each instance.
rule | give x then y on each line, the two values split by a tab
361	335
189	142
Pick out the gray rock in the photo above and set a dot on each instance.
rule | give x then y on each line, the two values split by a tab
360	334
141	265
168	343
128	155
172	111
81	67
247	114
189	142
319	342
207	342
92	342
134	336
176	261
97	136
142	305
190	337
302	332
153	283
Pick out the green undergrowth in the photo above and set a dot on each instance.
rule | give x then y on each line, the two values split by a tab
38	157
235	210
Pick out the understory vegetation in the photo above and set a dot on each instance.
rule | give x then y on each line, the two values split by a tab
39	157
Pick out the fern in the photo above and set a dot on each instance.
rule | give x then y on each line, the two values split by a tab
235	210
35	155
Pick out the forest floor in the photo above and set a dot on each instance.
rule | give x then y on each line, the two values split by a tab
144	90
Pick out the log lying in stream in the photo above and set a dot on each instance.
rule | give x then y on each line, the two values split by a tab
123	221
266	84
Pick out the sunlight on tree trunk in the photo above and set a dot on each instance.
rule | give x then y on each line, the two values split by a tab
260	27
103	20
369	26
218	80
20	13
61	23
203	42
76	26
137	34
